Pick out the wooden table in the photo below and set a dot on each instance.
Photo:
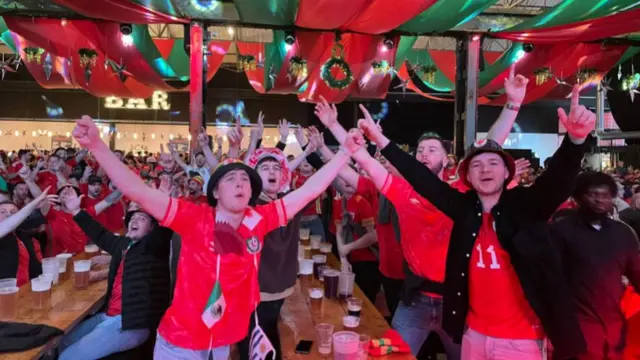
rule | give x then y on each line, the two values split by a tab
300	315
69	306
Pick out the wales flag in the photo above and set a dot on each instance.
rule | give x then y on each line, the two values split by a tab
215	306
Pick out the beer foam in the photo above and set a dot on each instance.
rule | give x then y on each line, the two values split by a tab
354	307
351	321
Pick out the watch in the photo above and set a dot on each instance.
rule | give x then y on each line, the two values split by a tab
513	107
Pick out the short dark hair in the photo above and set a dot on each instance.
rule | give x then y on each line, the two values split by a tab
433	136
60	148
589	179
198	153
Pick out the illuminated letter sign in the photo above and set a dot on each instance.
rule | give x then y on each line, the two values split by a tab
159	101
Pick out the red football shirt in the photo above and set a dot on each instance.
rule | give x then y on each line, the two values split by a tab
115	216
22	275
202	199
47	178
424	229
182	324
14	169
314	207
89	204
497	305
363	215
391	258
66	235
115	301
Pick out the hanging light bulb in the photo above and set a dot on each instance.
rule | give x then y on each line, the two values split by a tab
118	136
170	136
189	137
135	135
33	133
16	133
68	134
101	135
50	134
153	135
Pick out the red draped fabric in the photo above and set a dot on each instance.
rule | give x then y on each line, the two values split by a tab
562	59
164	46
218	50
60	77
374	85
403	74
255	77
363	16
64	39
311	47
359	51
588	30
123	11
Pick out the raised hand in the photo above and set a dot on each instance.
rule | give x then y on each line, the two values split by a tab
354	141
580	121
86	133
44	197
515	87
260	124
369	128
299	134
283	130
316	136
219	141
24	173
203	139
234	137
522	165
328	114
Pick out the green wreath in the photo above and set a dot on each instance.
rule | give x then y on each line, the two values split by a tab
331	81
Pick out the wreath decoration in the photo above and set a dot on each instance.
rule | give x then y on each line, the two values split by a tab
33	54
88	57
336	61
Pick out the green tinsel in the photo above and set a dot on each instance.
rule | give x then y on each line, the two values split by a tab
336	61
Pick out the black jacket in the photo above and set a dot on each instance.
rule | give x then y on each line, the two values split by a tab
521	217
10	256
146	279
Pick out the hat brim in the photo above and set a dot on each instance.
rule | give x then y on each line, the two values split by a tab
254	178
463	168
129	215
78	192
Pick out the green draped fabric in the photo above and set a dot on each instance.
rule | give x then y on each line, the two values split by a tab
414	56
5	35
570	11
445	15
499	66
145	45
628	54
270	12
274	54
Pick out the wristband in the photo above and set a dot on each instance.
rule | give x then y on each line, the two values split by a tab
512	107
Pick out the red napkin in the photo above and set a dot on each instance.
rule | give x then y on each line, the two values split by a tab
391	342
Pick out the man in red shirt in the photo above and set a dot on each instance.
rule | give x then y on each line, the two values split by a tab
503	278
221	239
50	177
196	195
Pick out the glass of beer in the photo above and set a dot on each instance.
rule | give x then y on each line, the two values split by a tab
81	270
304	236
324	331
350	322
318	260
51	266
8	302
41	291
315	243
345	287
66	263
325	247
91	250
354	306
306	270
346	345
331	279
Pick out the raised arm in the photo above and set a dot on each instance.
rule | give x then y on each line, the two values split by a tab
102	237
174	153
203	141
554	186
9	224
235	136
155	202
515	89
424	182
111	199
312	188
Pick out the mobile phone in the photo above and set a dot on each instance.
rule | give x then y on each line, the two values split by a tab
304	347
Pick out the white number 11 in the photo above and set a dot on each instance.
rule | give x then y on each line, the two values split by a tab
494	257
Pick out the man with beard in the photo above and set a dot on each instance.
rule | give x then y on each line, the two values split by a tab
222	240
20	194
504	291
139	260
199	163
596	253
278	268
194	187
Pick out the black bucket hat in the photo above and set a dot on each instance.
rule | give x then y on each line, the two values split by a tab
484	146
230	165
129	215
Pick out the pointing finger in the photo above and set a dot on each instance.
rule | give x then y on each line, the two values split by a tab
512	71
575	97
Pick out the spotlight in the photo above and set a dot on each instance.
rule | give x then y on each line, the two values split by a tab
126	29
388	43
230	30
527	48
289	38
